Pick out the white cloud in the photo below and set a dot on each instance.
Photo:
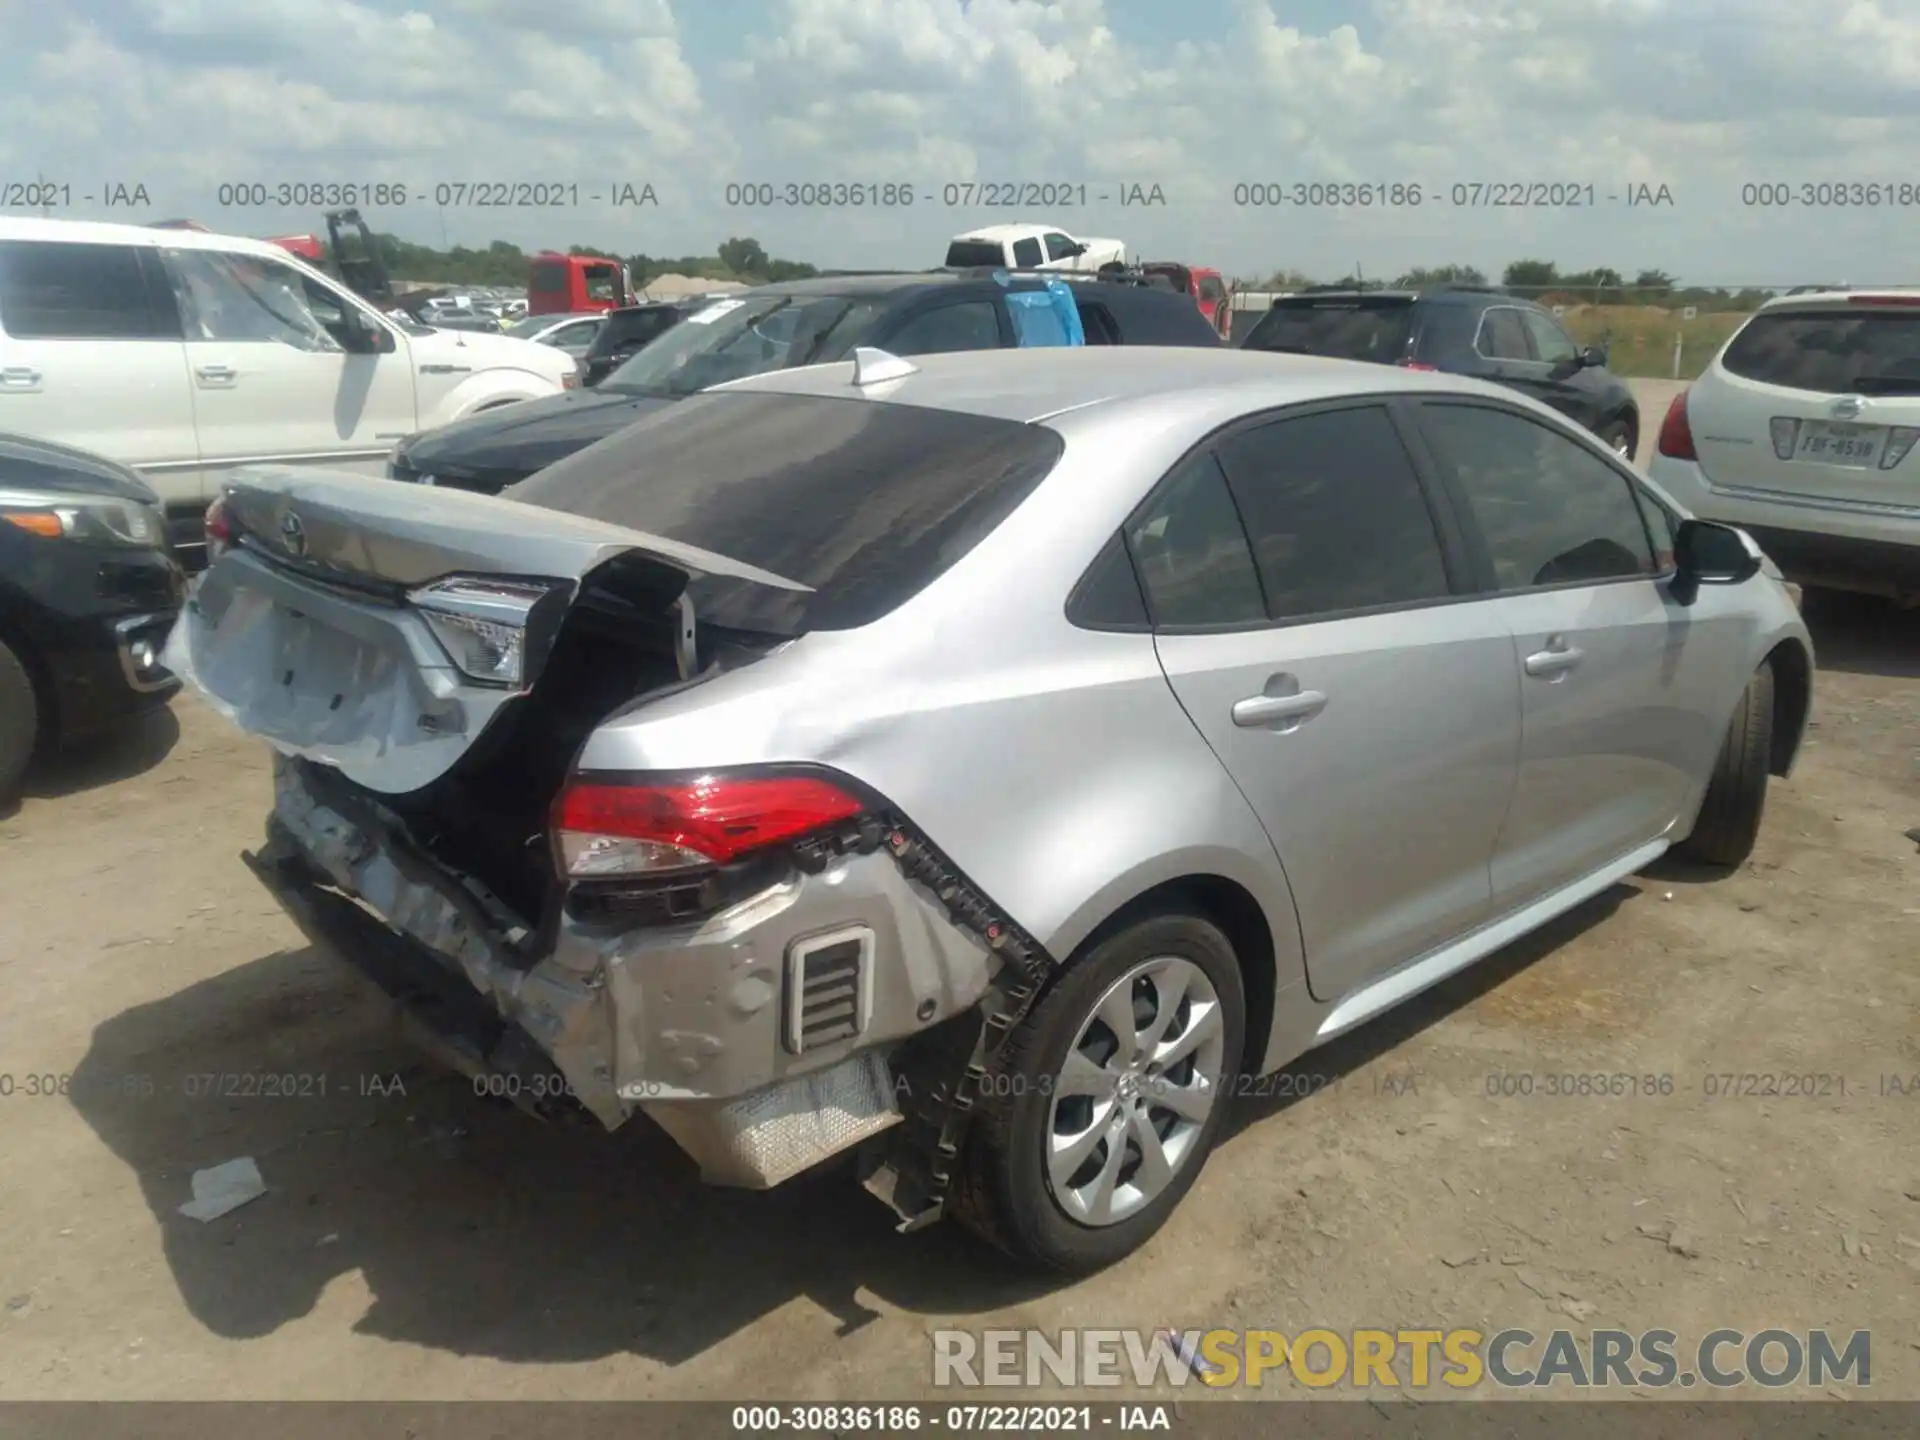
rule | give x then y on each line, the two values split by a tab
1701	95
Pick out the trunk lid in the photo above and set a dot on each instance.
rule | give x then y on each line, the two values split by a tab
1813	399
384	629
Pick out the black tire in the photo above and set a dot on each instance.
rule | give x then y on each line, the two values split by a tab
1729	820
19	723
1618	433
1001	1191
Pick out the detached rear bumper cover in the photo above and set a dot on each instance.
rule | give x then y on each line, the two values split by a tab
687	1024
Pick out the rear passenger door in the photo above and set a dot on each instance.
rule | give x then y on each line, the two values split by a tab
1619	703
1362	700
91	355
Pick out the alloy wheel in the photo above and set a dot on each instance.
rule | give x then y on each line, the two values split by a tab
1135	1091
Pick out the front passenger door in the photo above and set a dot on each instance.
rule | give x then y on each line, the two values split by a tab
1614	700
1564	383
1363	705
273	378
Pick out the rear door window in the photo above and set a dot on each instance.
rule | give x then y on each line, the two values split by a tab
1341	329
865	503
1338	517
55	290
1831	352
1026	254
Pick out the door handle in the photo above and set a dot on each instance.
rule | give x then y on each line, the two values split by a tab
1554	661
19	377
1258	710
217	374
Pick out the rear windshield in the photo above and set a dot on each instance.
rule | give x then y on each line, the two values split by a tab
548	280
867	503
1375	330
965	254
1836	352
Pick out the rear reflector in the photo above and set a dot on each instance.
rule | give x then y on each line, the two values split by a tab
605	829
1676	434
1416	365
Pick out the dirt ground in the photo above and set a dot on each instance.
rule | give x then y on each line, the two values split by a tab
417	1243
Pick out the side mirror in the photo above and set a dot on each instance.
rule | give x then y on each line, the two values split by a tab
1594	357
1708	554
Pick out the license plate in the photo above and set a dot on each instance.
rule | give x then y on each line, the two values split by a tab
1854	447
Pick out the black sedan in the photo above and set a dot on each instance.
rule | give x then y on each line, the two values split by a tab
88	594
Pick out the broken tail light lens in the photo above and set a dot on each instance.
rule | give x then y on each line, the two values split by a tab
481	624
606	829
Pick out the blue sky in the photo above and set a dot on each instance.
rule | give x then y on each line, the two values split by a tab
1707	98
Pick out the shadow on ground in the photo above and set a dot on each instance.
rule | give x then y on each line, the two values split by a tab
1863	635
480	1231
104	759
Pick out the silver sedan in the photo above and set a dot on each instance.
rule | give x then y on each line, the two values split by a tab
985	761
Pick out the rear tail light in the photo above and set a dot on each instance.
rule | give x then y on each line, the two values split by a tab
606	829
1786	435
1417	365
1676	434
219	529
1899	441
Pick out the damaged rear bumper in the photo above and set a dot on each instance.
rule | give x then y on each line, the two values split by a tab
699	1026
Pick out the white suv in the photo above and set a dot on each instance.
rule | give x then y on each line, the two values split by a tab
1802	432
184	354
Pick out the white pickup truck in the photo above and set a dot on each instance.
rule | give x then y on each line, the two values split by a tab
185	354
1032	247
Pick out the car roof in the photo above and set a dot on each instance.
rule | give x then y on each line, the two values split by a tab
1017	231
1038	384
1898	294
97	232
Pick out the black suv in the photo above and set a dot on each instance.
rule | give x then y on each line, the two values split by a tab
775	327
1464	330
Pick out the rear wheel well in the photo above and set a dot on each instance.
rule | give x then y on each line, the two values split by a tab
1230	906
1792	698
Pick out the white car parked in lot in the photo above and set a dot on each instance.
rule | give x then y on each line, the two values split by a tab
184	354
1802	432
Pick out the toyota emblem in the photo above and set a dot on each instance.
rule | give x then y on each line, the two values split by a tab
293	534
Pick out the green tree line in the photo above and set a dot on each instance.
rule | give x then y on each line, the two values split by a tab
1544	280
504	263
